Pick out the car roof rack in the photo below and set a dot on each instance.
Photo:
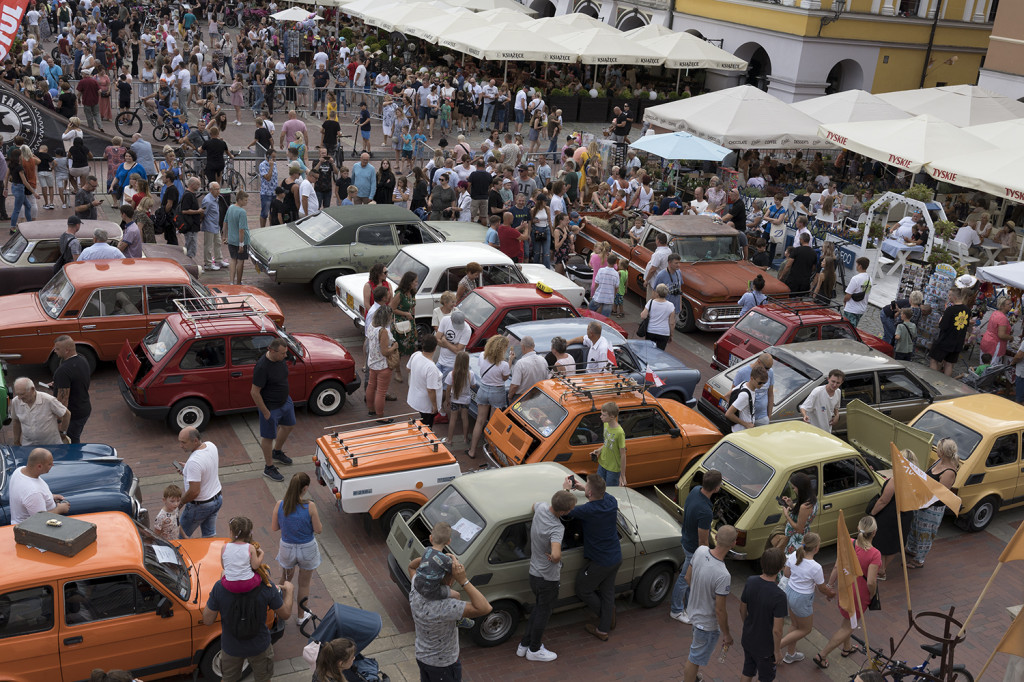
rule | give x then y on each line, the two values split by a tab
594	385
201	309
372	442
812	304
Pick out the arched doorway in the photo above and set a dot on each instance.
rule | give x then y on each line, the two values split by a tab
543	8
845	75
759	65
631	20
694	32
589	8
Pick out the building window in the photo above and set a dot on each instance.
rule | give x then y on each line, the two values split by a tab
909	8
992	10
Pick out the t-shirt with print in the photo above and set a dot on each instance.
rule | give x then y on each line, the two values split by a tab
744	410
765	602
437	634
710	579
858	283
820	407
546	528
611	452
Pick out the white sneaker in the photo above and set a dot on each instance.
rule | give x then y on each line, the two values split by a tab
238	123
224	264
521	650
541	654
793	658
214	266
681	617
306	615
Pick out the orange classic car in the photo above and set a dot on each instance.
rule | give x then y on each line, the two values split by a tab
102	304
714	276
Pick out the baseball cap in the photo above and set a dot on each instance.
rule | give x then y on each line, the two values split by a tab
574	215
458	319
74	220
674	204
506	181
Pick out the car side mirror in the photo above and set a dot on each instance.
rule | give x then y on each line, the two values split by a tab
675	433
164	608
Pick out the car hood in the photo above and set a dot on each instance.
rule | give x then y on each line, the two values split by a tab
727	281
268	302
273	242
205	553
22	310
654	524
458	231
650	355
324	352
940	385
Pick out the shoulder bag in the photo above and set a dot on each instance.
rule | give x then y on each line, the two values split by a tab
641	329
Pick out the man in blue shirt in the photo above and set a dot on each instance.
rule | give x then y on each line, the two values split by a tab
673	279
764	397
364	177
595	583
697	517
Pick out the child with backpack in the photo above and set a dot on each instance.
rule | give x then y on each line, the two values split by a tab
906	333
741	400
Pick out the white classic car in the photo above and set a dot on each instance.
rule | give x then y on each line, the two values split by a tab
440	267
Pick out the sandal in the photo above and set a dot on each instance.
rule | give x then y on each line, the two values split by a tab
914	564
820	661
846	653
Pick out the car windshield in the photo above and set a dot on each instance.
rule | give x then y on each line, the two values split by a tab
200	288
159	341
540	411
788	379
14	247
293	343
164	562
477	309
403	263
56	294
740	469
452	508
317	227
943	427
707	247
761	327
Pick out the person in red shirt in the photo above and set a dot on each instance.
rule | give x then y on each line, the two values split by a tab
510	239
89	95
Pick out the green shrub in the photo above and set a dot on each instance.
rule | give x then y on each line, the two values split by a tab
920	192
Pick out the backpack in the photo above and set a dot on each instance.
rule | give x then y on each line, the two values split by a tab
244	618
64	254
737	392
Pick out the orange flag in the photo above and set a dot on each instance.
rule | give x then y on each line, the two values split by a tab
915	489
848	570
1012	642
1014	550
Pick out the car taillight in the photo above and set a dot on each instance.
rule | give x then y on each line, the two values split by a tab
335	490
741	538
316	461
706	393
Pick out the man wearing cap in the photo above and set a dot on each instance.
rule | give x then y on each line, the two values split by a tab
528	370
310	204
452	336
68	248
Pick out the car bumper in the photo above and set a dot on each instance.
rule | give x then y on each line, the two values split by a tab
492	457
718	318
351	314
139	410
352	386
714	415
140	512
737	556
398	575
261	266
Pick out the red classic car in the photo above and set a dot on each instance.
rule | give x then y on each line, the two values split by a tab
776	323
490	309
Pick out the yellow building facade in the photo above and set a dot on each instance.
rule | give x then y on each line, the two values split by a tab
1003	71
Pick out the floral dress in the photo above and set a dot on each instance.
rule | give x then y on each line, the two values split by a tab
406	341
795	540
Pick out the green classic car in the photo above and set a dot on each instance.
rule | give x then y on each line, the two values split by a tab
342	240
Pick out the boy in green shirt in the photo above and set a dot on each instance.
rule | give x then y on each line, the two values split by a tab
611	457
620	294
906	333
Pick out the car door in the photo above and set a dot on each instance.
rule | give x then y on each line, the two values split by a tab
846	484
901	395
1002	467
652	455
201	372
28	636
113	619
508	563
110	316
573	560
859	386
246	349
373	244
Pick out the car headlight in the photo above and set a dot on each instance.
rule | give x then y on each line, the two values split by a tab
712	315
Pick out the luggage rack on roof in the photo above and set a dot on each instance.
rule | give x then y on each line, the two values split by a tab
812	305
351	447
197	310
599	384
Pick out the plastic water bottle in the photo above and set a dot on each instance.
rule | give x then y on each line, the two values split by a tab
725	650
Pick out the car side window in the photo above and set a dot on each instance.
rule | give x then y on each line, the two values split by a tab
559	313
449	281
44	252
1004	451
204	354
160	299
858	387
512	545
805	334
502	274
375	235
643	423
589	432
246	350
893	386
413	233
114	301
844	474
516	315
23	612
113	596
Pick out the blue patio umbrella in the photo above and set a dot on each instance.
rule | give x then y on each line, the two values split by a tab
680	145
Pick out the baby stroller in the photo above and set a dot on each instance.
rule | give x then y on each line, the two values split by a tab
989	380
362	627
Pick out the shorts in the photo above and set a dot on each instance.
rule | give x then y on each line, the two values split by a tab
520	115
619	298
764	666
406	153
854	318
281	416
306	556
265	202
365	134
943	355
456	407
495	396
238	252
320	95
802	605
702	646
45	178
742	238
421	112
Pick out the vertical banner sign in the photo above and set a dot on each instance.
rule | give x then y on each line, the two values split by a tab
11	13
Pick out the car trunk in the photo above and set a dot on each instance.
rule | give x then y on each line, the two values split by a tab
408	539
871	432
510	442
133	366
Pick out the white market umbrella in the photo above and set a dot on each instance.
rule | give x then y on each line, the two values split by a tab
433	28
849	106
1011	274
599	46
680	145
742	117
908	143
683	50
485	5
392	18
501	15
294	14
360	8
998	171
510	43
649	31
999	133
573	20
961	105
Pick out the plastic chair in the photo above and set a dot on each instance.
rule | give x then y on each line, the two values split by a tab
959	249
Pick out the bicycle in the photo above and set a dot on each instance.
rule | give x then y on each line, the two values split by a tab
899	670
130	122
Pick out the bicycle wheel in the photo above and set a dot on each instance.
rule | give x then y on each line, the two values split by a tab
128	123
231	20
223	94
233	180
958	675
278	99
161	133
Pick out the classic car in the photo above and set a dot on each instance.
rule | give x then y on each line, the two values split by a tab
26	260
104	303
987	430
491	537
898	388
130	595
559	420
192	366
342	240
383	481
714	277
90	476
757	465
439	268
778	322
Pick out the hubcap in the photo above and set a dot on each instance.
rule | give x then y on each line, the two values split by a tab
190	416
328	399
496	625
659	588
982	516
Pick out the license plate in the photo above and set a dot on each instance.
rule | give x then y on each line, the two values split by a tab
350	301
259	267
733	360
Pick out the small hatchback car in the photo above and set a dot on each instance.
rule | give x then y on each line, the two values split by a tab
196	364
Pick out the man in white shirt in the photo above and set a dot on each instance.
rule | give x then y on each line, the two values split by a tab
821	407
452	336
741	411
855	302
309	204
343	52
969	236
904	229
359	78
425	381
658	262
28	491
320	59
380	82
528	370
489	93
599	350
520	109
38	418
699	204
606	283
202	499
171	43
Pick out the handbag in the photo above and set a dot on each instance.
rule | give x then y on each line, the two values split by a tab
871	505
641	329
778	234
875	604
403	326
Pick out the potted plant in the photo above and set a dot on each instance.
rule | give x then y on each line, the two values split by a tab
945	229
920	192
594	106
566	100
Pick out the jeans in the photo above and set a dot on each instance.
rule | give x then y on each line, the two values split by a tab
681	591
595	586
542	252
92	116
324	198
257	99
213	252
888	328
191	243
18	190
610	477
598	307
377	390
202	516
432	673
546	592
75	428
488	114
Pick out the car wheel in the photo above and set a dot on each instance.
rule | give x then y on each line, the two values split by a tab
190	412
672	395
404	509
210	665
497	626
323	284
978	518
423	328
327	398
654	586
685	321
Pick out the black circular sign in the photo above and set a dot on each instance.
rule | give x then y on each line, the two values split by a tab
19	117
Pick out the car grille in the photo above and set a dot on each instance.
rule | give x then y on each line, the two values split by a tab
722	314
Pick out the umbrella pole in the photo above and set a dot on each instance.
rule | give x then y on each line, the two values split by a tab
679	76
505	77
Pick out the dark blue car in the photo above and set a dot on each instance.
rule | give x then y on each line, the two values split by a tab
90	476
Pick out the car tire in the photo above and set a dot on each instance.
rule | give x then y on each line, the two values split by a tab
323	284
53	362
423	328
673	395
497	626
685	321
190	412
209	665
326	399
980	516
654	586
404	509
